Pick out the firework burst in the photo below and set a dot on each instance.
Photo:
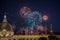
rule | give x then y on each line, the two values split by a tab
33	19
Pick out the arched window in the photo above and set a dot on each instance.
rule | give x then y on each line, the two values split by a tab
14	39
30	39
20	39
26	39
34	39
23	39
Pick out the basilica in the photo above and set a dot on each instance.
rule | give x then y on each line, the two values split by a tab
7	33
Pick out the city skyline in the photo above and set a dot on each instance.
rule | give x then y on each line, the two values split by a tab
12	7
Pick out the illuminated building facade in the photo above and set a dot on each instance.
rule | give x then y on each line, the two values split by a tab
7	33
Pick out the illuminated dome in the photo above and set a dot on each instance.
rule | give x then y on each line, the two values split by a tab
5	25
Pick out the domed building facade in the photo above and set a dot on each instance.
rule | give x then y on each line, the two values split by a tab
5	29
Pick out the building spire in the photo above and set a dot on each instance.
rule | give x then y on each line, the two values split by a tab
51	31
5	20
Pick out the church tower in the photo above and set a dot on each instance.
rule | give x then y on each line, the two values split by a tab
5	28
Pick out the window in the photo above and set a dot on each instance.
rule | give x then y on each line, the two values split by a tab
30	39
23	39
34	39
14	39
20	39
26	39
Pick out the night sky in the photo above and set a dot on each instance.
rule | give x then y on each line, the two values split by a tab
12	7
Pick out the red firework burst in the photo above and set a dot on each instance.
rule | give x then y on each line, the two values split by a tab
24	11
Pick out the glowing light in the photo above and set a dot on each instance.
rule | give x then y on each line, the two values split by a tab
24	11
4	29
7	35
45	17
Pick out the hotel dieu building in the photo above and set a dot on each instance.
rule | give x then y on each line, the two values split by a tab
7	33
